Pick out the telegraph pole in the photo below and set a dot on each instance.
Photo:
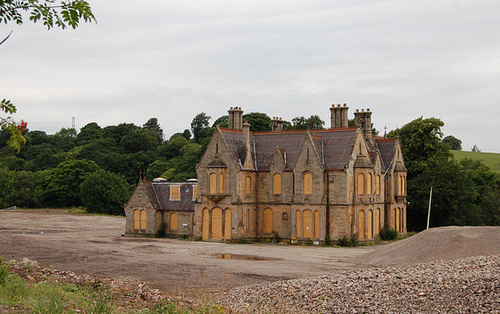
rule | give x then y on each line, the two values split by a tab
429	211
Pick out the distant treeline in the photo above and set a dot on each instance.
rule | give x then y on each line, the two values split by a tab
98	167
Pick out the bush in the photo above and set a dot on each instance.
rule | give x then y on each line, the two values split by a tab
162	233
388	234
348	241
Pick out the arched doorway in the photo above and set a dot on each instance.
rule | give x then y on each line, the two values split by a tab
308	224
216	223
268	221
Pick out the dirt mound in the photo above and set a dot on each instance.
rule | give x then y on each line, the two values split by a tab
444	243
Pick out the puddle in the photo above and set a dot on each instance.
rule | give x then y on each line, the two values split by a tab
240	257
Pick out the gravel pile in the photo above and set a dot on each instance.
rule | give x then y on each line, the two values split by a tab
459	286
448	269
444	243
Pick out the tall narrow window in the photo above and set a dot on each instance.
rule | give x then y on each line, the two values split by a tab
308	183
137	220
173	221
212	187
369	184
277	183
361	184
143	220
175	193
195	192
248	185
378	184
221	183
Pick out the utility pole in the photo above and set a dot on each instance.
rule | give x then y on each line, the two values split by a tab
429	211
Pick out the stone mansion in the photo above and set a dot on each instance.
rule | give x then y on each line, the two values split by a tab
304	184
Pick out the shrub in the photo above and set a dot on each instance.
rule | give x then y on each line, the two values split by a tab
348	241
388	234
161	233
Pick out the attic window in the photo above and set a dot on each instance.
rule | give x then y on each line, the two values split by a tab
175	193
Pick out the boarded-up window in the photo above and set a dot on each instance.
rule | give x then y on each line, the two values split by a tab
175	192
195	192
369	226
205	235
143	220
268	220
369	184
227	224
316	224
397	219
248	185
277	183
137	220
361	184
298	224
308	183
221	183
212	184
173	221
378	185
377	221
248	220
361	224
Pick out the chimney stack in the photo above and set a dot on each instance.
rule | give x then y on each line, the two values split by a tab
235	118
277	124
339	116
363	120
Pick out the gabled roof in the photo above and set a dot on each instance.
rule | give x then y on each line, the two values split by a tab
159	195
386	151
335	145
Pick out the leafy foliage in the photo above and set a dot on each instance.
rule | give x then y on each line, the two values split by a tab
314	122
258	121
453	142
104	192
464	192
200	126
388	234
51	12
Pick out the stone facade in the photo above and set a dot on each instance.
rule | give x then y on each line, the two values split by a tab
158	204
304	184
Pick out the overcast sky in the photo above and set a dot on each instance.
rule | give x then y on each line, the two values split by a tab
174	59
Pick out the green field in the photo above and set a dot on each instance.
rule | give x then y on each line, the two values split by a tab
492	160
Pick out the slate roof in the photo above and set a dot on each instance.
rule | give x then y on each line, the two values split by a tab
334	146
159	194
386	150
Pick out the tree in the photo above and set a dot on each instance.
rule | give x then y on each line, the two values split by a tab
421	144
222	121
153	126
200	126
64	182
90	132
258	121
453	142
104	192
314	122
60	14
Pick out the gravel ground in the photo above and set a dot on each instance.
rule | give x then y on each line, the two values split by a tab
460	286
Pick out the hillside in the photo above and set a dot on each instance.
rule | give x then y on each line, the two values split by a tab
492	160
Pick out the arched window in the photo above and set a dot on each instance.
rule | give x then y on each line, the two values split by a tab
143	220
137	220
221	183
378	184
361	224
173	222
361	184
268	221
227	224
308	183
248	185
298	224
277	183
212	184
195	192
316	224
369	184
